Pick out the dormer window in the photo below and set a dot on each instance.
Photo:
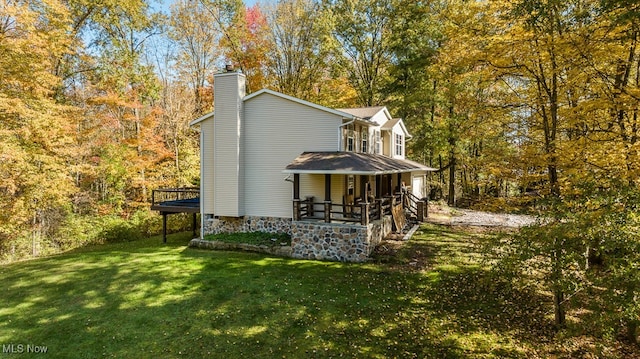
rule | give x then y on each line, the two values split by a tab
378	143
398	144
365	140
350	138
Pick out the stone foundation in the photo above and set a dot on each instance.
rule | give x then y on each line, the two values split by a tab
311	240
337	242
247	224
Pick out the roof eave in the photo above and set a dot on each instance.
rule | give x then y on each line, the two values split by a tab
299	101
346	172
202	118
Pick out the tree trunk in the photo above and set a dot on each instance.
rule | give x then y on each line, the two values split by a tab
632	331
556	276
451	201
558	308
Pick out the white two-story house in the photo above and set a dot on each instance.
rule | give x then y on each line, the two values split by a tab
328	177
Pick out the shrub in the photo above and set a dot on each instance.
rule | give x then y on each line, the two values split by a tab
116	229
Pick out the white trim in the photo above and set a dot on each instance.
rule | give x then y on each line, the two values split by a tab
201	185
363	173
201	118
346	172
302	102
404	128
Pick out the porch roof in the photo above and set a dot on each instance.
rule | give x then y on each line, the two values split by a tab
351	163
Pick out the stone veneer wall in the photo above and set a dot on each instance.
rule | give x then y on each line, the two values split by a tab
312	240
337	242
247	224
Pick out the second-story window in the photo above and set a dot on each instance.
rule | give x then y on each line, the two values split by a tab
378	143
398	144
365	140
350	138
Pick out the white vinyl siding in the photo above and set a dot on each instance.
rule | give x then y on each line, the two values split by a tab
207	166
313	185
277	130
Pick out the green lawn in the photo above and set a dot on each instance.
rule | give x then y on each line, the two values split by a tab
144	299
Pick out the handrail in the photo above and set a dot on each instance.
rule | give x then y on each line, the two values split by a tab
173	194
344	212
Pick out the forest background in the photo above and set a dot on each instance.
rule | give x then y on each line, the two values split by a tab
521	105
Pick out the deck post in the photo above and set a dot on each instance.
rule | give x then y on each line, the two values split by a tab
164	227
421	210
296	209
310	204
364	220
193	225
327	211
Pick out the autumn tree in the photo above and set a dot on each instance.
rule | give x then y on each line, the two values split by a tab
362	30
35	141
243	37
126	89
300	48
197	39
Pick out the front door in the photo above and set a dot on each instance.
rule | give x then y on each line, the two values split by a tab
417	186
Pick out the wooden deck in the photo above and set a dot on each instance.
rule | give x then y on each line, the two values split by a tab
176	200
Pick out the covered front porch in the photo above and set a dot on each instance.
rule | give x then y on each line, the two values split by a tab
345	203
357	188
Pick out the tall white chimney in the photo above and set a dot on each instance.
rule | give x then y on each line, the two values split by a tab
228	94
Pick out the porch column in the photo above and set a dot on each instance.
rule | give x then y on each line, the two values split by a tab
379	207
327	198
296	186
296	197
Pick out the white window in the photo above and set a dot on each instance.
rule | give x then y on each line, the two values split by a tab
365	140
399	144
378	143
350	138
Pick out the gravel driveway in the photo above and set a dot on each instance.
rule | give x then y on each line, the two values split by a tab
467	217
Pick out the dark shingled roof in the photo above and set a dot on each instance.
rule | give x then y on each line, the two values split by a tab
351	163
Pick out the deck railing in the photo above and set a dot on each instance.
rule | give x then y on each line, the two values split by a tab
358	212
164	195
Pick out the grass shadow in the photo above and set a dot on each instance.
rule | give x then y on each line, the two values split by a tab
147	300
